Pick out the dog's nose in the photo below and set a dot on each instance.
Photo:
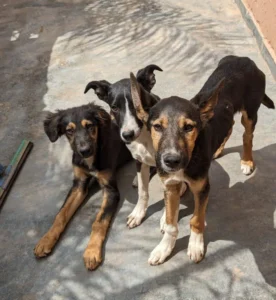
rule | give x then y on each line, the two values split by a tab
84	151
128	135
172	160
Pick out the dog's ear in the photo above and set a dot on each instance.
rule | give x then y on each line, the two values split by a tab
206	101
52	126
142	100
146	77
102	116
101	89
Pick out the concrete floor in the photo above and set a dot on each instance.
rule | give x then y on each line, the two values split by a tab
61	46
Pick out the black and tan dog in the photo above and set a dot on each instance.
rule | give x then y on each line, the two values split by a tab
245	89
97	152
188	134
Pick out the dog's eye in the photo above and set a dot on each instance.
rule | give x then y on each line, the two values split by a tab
70	131
89	126
157	127
115	109
188	127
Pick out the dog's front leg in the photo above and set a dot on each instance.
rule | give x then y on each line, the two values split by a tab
139	212
72	202
200	190
163	218
94	251
165	247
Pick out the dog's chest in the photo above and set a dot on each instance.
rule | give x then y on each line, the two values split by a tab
142	148
177	177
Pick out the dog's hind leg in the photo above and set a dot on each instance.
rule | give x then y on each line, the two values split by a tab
139	212
94	251
221	148
73	201
247	164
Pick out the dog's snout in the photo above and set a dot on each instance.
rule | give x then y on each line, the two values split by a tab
128	135
85	151
172	160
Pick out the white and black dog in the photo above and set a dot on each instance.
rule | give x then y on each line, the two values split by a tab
132	131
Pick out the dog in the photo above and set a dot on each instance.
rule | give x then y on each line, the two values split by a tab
245	89
187	135
133	132
97	153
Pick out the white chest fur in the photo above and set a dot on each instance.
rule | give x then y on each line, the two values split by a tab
176	177
142	148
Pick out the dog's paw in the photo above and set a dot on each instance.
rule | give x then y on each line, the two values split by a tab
163	222
44	246
163	250
247	167
196	247
136	217
92	258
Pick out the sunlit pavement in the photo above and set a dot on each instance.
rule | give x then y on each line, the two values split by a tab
49	50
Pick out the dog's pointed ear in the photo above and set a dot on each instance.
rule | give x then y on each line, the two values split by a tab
207	101
146	76
100	88
52	126
142	100
136	97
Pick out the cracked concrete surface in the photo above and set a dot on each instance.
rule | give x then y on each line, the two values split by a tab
49	51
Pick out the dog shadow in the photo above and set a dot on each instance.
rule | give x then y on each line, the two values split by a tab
244	212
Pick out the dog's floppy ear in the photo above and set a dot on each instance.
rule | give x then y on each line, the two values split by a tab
52	126
146	77
206	101
142	100
100	87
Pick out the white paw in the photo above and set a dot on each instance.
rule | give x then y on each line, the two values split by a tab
163	222
183	189
163	250
137	215
246	169
196	246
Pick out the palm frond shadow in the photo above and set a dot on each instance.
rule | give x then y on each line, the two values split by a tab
137	26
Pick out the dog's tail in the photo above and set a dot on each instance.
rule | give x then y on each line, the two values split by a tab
268	102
